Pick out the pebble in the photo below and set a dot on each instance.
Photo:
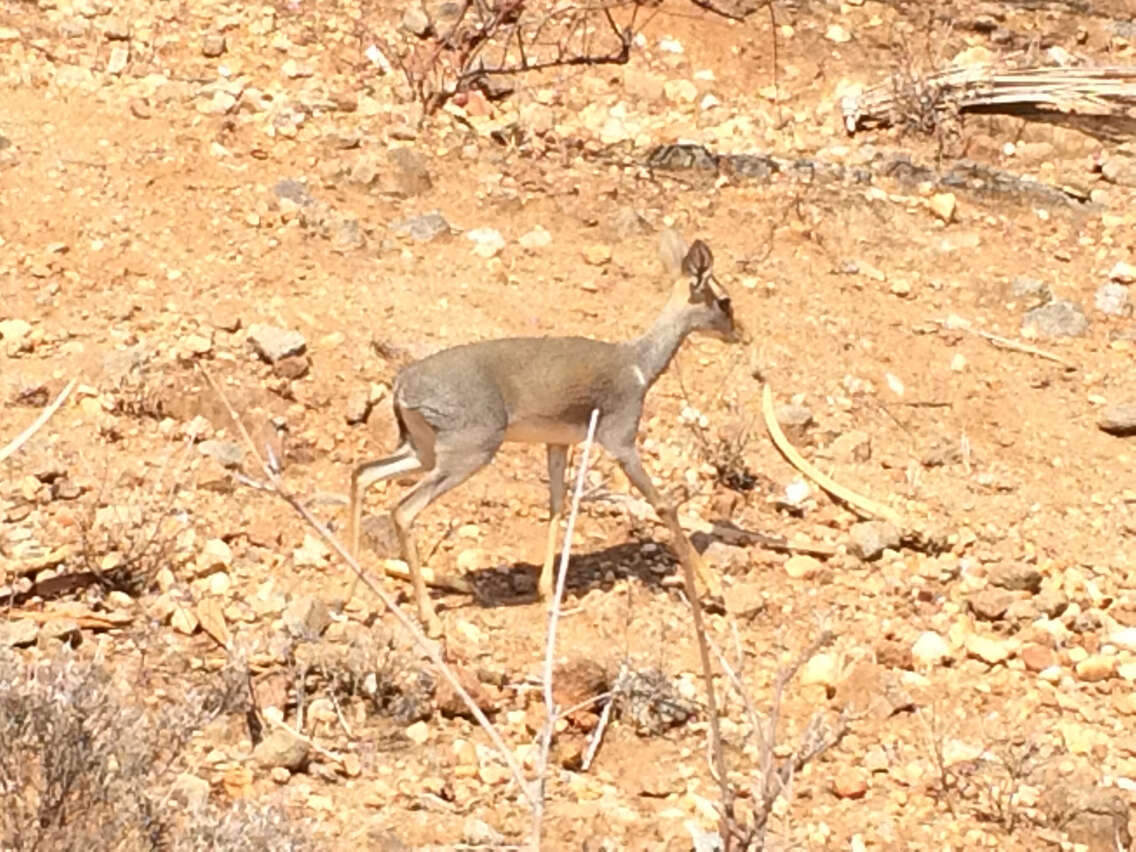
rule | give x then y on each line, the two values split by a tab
1037	658
988	650
990	604
1015	576
17	633
226	453
487	242
424	228
213	45
306	617
281	748
930	649
1096	667
1119	419
943	205
597	254
537	238
850	782
801	566
1059	318
273	343
1123	272
1112	299
869	539
418	733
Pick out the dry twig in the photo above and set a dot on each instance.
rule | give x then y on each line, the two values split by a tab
37	424
826	482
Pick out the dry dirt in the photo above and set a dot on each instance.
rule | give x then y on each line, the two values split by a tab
144	233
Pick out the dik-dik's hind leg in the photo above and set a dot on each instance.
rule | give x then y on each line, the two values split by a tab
454	465
557	462
403	460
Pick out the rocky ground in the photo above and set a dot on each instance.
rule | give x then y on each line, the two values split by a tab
254	190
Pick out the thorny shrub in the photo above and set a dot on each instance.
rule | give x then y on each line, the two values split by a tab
81	769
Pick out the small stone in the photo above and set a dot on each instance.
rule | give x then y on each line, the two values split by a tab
1123	638
273	343
869	539
65	630
213	45
415	21
597	254
424	228
226	453
359	406
850	782
680	91
1119	419
823	669
930	649
1059	318
9	34
198	344
1096	667
1032	290
943	205
14	333
119	56
140	108
18	633
306	617
418	733
801	566
183	620
1015	576
487	242
281	748
293	69
215	555
1112	299
537	238
116	29
1123	272
991	651
837	34
1051	602
292	367
744	599
280	775
1037	658
990	604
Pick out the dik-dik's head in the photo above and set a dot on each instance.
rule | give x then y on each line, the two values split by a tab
698	293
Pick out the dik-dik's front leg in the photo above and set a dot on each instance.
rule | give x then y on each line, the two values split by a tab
628	457
557	462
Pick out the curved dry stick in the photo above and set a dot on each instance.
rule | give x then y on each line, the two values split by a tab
44	416
826	482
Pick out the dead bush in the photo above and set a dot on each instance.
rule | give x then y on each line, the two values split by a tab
82	769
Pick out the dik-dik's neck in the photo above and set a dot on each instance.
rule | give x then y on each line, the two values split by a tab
654	350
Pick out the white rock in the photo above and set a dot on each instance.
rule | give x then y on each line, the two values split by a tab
537	238
1123	272
487	242
930	649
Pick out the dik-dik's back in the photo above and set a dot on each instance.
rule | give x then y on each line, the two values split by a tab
538	389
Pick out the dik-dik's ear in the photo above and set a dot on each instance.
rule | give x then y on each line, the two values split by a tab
698	264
